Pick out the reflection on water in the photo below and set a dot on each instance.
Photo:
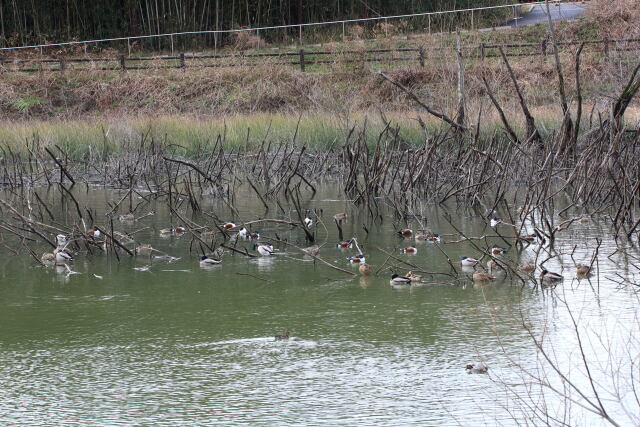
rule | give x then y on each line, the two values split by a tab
159	340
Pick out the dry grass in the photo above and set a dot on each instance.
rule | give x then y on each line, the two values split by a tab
615	18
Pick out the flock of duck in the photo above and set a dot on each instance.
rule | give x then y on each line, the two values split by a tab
62	256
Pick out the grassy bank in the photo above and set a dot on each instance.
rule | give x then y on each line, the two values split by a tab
188	135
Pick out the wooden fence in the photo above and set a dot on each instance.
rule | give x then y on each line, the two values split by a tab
306	58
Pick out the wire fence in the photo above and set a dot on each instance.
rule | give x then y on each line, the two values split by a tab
469	18
312	60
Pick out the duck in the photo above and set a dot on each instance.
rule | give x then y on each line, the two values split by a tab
584	219
308	222
179	230
357	259
410	250
144	250
345	244
48	258
399	280
480	369
482	276
62	256
312	250
365	269
495	221
93	232
126	217
583	269
205	261
282	336
243	233
264	249
339	217
527	267
166	231
528	238
434	237
406	232
466	261
414	277
228	225
497	250
549	276
254	235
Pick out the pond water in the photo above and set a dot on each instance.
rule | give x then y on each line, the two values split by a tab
179	344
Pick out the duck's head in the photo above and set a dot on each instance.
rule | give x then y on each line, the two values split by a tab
544	271
462	258
394	275
469	367
203	257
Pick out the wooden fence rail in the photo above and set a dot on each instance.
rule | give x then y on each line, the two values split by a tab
303	58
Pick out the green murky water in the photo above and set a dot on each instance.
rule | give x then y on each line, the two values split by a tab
179	344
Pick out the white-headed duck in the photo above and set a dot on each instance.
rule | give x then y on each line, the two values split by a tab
468	261
205	261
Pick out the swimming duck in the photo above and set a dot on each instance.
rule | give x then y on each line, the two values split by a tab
228	225
93	232
312	250
527	267
480	369
410	250
339	217
365	269
548	276
482	276
414	277
406	232
497	250
126	217
399	280
144	250
62	255
264	249
434	237
345	244
243	233
205	261
48	258
308	222
254	235
584	219
357	259
583	270
282	336
495	221
528	238
468	261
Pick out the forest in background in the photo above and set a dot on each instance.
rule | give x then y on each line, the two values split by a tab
45	21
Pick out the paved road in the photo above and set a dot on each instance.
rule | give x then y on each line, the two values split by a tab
538	14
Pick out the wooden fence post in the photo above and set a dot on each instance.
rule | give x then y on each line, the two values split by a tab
421	56
302	60
123	67
606	47
182	64
482	51
62	65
